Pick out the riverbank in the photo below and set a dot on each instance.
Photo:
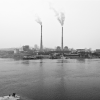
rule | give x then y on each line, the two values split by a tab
49	55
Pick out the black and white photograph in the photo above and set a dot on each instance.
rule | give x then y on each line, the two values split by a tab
49	49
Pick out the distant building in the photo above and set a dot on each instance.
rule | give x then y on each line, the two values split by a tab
21	49
98	50
66	48
58	48
73	50
26	48
88	50
48	49
36	47
80	50
16	51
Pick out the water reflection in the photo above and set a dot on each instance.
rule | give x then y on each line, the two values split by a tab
81	60
61	93
41	61
62	87
25	62
40	82
68	79
62	61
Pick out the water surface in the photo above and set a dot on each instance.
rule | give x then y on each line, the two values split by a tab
70	79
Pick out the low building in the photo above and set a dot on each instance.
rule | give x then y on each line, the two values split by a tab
98	50
58	48
66	48
26	48
16	51
80	50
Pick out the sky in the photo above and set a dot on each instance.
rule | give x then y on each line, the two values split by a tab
18	24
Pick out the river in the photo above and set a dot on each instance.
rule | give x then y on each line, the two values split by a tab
70	79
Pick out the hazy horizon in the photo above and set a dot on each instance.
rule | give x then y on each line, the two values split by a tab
18	26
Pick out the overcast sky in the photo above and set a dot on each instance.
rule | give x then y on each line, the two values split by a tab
18	26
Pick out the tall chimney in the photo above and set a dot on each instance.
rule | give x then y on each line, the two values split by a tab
62	40
41	45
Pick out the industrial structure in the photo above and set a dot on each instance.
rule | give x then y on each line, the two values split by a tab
41	42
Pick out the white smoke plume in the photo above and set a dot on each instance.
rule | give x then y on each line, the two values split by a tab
60	15
61	18
38	20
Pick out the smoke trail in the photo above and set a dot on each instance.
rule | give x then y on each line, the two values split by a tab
61	18
60	15
38	20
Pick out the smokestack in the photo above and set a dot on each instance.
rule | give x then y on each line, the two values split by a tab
62	40
41	45
61	18
38	20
